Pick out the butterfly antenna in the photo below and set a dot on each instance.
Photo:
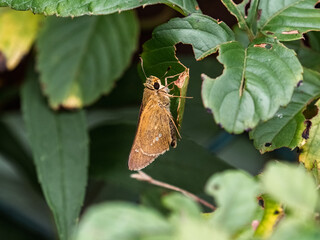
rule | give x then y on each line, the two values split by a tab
142	67
168	69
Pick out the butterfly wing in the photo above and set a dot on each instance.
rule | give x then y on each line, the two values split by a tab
153	136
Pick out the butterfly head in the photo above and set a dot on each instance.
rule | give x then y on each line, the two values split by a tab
153	83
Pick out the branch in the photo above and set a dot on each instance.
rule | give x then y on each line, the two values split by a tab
141	176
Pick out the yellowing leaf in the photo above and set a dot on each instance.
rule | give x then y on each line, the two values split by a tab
18	31
273	212
310	151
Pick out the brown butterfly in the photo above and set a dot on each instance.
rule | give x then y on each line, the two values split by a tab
156	130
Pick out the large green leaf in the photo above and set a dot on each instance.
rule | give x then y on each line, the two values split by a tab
255	83
286	127
202	32
121	221
66	8
235	193
59	144
300	195
80	59
288	19
310	151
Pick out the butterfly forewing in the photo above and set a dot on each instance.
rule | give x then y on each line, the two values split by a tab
154	134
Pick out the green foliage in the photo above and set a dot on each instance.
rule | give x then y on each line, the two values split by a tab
59	144
264	83
235	193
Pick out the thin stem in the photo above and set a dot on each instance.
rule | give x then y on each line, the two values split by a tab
141	176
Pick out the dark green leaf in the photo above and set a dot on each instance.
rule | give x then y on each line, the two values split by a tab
202	32
66	8
288	20
59	144
80	59
235	193
286	127
255	83
121	221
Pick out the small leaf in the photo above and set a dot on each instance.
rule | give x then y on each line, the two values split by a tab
121	221
18	30
65	8
273	212
310	151
255	83
288	20
59	144
235	193
299	195
286	127
80	59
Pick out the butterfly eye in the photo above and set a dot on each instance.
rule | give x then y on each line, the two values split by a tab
156	85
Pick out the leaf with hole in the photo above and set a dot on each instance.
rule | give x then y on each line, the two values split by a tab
255	83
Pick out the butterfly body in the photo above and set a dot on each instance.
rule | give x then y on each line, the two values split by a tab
156	130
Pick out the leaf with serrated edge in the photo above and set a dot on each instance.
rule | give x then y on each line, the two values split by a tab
65	8
287	20
18	30
59	145
256	81
202	32
310	151
80	59
286	127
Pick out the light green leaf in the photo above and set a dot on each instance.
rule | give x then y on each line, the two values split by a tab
288	19
181	205
235	193
255	83
292	186
310	151
121	221
202	32
59	144
18	30
296	229
66	8
286	127
80	59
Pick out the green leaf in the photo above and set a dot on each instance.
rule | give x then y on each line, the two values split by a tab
286	127
235	192
18	31
255	83
66	8
292	186
245	12
181	205
59	144
202	32
288	20
121	221
80	59
296	229
310	151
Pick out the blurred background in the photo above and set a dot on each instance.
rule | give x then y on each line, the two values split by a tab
205	148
